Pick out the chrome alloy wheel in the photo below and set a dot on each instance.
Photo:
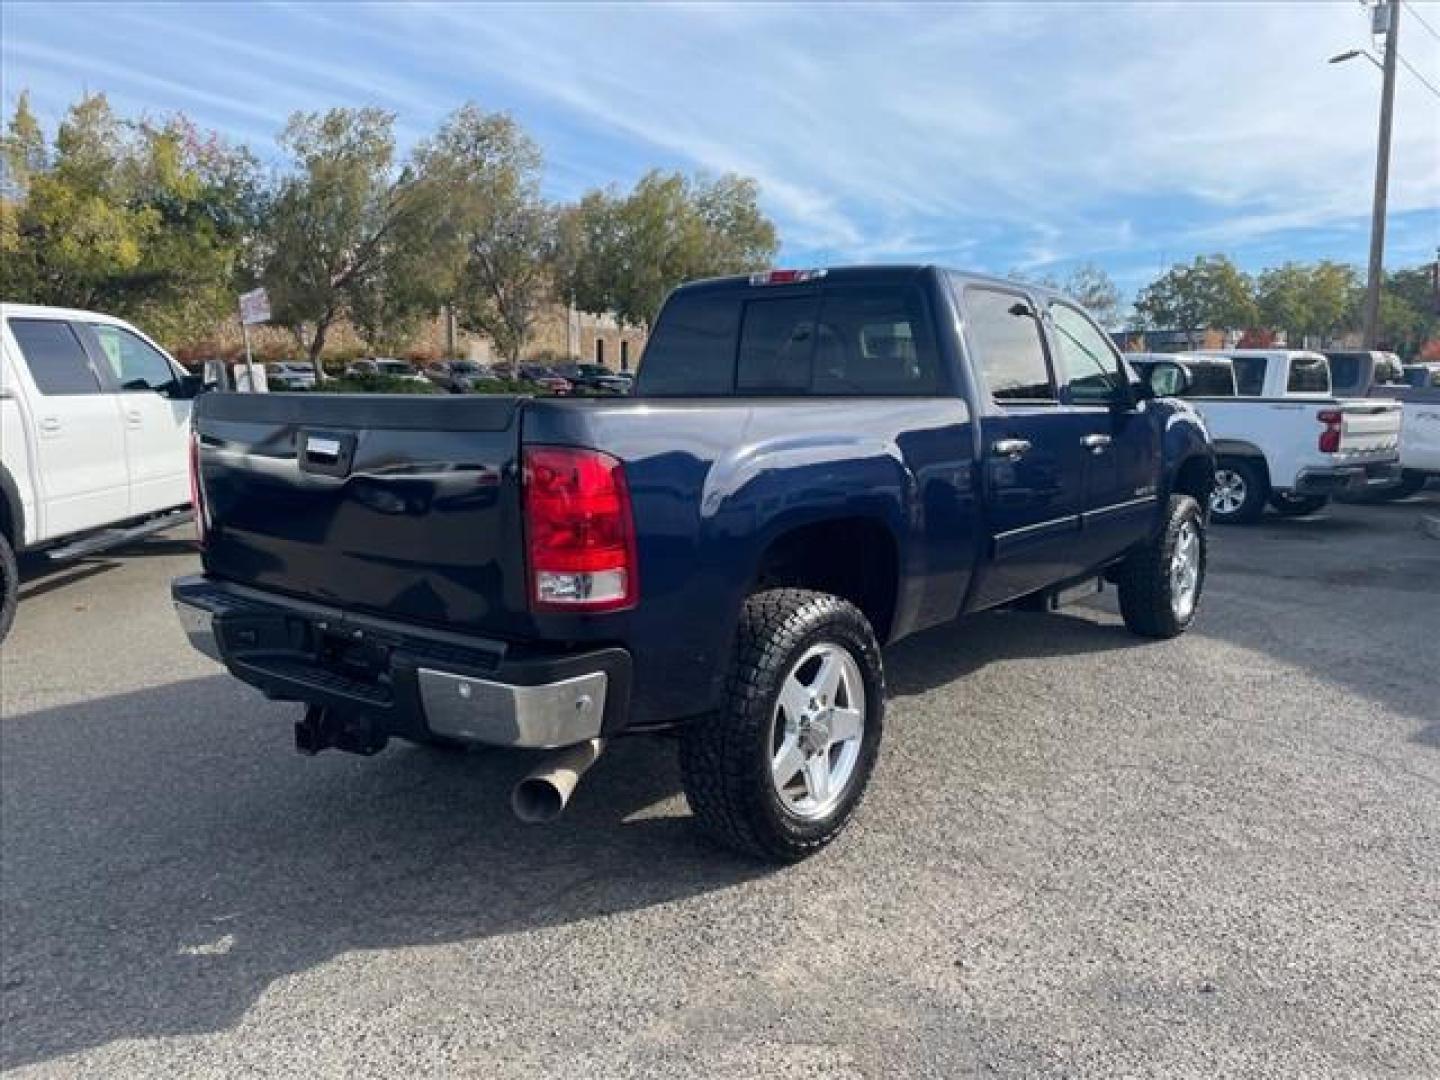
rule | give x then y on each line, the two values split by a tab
1229	492
816	730
1185	571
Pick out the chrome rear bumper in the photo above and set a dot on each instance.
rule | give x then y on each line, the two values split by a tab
533	702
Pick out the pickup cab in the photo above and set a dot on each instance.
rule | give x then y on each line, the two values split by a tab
94	430
1281	436
813	464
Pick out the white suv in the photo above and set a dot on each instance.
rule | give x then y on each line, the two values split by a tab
94	436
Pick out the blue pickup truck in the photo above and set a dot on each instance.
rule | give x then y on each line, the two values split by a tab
813	464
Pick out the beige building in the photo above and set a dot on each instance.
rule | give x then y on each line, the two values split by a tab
560	335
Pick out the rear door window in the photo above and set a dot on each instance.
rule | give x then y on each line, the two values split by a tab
1005	336
56	359
1308	375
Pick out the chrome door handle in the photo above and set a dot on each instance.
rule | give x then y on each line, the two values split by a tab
1014	449
1095	442
50	423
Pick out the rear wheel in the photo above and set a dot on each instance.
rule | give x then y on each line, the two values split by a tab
779	769
1240	491
1160	584
1292	505
9	585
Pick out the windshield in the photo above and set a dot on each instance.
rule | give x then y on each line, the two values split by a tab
394	367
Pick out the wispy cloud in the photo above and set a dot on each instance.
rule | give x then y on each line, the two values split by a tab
1001	135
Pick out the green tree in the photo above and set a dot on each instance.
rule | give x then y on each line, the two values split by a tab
625	254
145	220
1307	301
22	150
1096	292
347	228
1409	309
498	231
1209	293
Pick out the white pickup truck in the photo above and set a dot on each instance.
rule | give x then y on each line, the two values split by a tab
94	437
1419	439
1280	437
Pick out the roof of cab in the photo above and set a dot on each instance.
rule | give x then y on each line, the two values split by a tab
41	311
876	273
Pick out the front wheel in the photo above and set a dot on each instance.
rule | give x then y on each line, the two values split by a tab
780	768
9	585
1292	505
1240	491
1160	584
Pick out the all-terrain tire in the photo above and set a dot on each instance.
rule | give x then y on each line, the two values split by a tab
9	585
1158	595
1241	491
726	756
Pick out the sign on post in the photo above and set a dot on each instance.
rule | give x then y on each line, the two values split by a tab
254	307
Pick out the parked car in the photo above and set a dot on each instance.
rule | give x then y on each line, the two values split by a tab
813	464
1422	376
1357	373
386	366
290	376
546	378
595	377
459	376
94	437
1280	437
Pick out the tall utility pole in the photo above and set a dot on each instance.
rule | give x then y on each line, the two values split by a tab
1386	14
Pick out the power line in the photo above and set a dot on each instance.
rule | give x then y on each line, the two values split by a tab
1421	20
1411	68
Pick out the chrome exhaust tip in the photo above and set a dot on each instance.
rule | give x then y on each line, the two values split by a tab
543	795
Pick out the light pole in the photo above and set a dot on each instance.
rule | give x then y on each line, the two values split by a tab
1386	14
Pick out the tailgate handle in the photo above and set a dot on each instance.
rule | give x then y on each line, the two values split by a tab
326	452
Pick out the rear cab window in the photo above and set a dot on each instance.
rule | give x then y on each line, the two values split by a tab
57	360
839	340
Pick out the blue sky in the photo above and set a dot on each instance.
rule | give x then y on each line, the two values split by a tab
1031	136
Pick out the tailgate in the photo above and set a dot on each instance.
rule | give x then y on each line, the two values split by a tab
1369	426
404	506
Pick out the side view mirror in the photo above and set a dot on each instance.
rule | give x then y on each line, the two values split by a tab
188	387
1167	379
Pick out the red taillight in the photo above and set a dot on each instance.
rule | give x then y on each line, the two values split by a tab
1330	437
579	532
197	491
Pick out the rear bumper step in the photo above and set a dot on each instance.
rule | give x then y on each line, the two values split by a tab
1326	481
403	680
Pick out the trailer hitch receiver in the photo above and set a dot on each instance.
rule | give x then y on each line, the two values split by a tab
325	729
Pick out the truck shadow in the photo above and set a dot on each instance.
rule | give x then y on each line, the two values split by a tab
168	857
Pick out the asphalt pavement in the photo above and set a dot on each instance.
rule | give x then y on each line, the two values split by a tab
1082	855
